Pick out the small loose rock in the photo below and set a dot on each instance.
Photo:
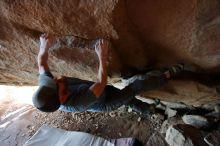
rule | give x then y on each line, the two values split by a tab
195	120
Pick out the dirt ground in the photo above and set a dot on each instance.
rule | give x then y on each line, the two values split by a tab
20	121
116	124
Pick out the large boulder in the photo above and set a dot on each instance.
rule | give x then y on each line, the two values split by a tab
185	29
144	34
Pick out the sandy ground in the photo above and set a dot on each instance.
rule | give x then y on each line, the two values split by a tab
20	120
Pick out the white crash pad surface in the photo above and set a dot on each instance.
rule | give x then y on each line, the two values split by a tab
50	136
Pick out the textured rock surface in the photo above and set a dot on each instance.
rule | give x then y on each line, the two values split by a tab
196	120
184	135
170	122
213	138
143	33
174	137
186	30
156	140
190	92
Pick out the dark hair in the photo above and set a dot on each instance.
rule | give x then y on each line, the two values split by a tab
46	99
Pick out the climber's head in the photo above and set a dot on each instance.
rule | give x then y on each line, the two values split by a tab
46	98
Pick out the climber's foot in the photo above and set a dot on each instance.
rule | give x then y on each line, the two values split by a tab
174	70
142	108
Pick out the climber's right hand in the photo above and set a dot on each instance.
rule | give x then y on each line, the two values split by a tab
46	41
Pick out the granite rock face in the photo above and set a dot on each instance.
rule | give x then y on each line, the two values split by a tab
144	34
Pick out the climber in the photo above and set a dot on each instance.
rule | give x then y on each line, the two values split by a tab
74	95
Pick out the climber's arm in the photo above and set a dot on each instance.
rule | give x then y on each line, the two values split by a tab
42	61
102	51
45	43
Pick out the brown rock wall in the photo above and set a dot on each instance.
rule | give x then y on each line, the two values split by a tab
144	33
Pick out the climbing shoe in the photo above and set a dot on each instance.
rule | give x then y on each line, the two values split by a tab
174	70
141	107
